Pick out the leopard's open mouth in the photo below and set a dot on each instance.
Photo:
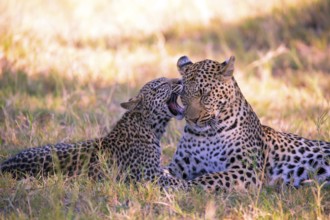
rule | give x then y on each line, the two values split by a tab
174	107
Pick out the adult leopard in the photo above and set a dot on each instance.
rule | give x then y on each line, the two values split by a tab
224	137
132	145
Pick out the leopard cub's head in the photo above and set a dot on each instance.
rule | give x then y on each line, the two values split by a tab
158	97
209	88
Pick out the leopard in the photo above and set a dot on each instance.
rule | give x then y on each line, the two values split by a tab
132	146
225	147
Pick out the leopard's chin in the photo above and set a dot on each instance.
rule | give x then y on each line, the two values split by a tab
176	110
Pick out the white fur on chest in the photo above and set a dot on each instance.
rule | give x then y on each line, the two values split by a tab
204	154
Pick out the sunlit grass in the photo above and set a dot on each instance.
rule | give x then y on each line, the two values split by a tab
59	198
67	65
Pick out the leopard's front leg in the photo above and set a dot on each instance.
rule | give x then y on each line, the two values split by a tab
229	180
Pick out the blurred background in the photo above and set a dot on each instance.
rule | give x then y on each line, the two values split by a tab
67	64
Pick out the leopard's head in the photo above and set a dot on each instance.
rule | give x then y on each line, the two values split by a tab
209	88
158	98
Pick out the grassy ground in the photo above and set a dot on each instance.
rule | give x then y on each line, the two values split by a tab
66	65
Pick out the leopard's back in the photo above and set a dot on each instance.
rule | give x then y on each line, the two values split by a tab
46	160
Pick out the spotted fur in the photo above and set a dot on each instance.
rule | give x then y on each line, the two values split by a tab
225	147
132	145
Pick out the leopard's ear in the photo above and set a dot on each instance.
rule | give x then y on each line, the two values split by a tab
182	63
228	70
132	103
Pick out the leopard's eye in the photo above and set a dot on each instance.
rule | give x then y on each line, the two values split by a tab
196	89
206	97
163	88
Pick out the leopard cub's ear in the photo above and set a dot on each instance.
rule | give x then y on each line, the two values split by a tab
132	103
228	70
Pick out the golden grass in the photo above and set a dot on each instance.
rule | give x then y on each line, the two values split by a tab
66	65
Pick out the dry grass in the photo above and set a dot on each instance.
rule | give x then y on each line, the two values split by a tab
66	66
